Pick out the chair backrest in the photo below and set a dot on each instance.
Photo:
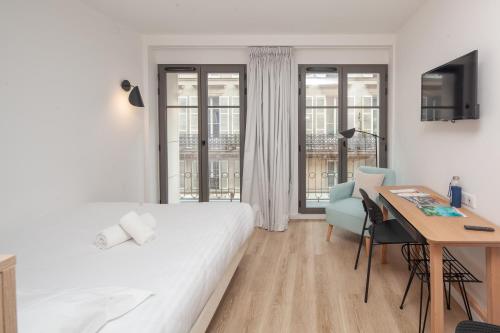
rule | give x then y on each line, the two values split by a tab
389	174
374	211
469	326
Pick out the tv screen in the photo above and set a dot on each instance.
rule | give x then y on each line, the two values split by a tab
449	92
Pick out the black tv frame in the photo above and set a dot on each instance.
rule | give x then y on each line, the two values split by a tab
474	114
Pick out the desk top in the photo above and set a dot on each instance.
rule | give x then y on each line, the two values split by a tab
439	229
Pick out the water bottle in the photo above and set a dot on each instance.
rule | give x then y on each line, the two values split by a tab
455	192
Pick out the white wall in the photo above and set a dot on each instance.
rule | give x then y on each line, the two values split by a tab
67	132
431	153
230	50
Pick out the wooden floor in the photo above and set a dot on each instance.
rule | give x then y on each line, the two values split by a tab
296	281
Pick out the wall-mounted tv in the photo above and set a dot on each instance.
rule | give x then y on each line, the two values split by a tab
449	92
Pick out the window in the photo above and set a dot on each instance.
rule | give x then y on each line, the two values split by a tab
333	98
202	113
235	121
224	121
320	122
309	121
214	175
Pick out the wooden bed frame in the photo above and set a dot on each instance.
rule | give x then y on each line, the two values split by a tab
201	324
8	321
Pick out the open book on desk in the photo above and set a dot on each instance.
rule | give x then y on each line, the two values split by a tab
430	206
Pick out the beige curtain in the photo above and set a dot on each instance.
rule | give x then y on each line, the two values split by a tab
267	159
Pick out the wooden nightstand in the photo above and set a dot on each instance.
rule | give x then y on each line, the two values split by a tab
8	317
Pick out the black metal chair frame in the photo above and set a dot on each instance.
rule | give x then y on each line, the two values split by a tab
374	212
468	326
453	271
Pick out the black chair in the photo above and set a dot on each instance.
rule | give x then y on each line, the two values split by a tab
381	232
362	235
469	326
453	271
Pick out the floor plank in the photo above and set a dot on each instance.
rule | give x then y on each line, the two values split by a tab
296	281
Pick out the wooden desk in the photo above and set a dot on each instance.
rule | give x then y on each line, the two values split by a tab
8	321
443	231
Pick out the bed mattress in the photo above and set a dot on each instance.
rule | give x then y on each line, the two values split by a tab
194	245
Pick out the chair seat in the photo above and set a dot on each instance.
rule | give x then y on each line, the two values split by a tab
347	214
390	232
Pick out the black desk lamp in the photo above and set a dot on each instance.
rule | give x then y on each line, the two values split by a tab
350	133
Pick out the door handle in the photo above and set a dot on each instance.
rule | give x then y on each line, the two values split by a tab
203	142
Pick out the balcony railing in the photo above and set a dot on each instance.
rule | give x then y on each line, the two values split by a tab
314	142
223	169
330	143
323	163
321	151
221	142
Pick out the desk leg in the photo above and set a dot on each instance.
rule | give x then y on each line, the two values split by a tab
383	248
493	284
437	301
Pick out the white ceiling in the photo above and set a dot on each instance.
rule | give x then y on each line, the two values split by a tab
259	16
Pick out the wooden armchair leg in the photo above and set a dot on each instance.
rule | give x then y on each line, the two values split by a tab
329	232
367	245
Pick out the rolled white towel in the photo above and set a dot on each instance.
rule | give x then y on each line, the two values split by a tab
135	227
115	234
111	236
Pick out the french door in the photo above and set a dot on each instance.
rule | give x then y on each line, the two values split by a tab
333	98
202	122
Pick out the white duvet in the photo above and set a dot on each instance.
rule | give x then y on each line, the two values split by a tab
181	267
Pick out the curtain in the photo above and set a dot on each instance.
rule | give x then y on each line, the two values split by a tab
267	158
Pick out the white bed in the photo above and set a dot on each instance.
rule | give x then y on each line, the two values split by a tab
195	244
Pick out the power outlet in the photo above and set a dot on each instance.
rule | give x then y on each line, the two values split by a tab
469	199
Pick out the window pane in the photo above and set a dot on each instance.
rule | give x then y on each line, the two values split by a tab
236	181
309	101
322	89
309	121
235	120
361	147
183	121
182	89
225	87
183	176
224	121
320	121
213	122
363	89
322	160
224	154
193	120
235	101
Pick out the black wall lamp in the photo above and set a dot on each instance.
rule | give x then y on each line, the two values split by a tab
134	97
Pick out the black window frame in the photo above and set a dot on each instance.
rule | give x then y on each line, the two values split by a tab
343	70
202	70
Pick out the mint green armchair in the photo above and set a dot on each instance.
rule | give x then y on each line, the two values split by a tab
347	212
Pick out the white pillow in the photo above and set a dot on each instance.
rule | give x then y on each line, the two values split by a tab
368	182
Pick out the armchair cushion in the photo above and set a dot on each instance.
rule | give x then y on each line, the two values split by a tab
368	182
346	213
389	174
341	191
